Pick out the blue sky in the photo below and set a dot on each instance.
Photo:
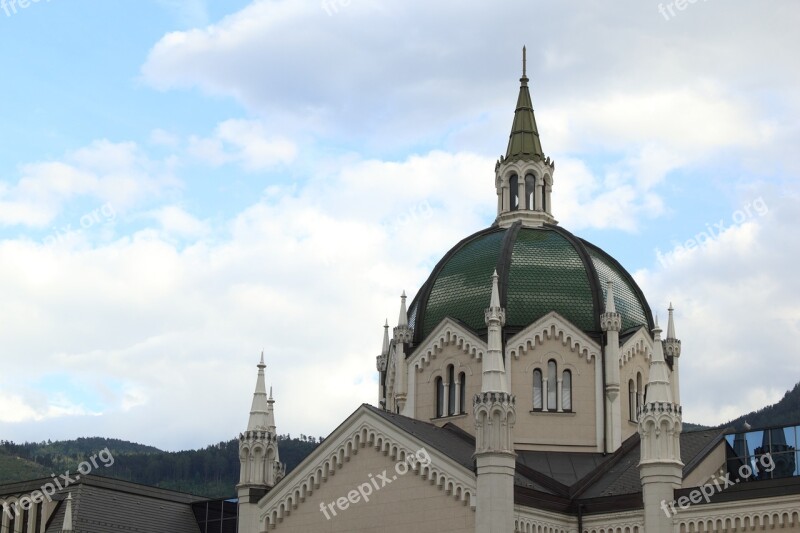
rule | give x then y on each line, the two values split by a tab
185	183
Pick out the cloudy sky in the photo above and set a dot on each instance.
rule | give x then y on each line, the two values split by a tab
185	183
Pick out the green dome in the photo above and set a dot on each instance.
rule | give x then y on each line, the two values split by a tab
541	269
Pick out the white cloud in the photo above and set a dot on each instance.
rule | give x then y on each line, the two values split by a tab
738	314
117	174
244	142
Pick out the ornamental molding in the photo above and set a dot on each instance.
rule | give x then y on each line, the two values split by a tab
447	333
553	327
640	343
363	428
764	514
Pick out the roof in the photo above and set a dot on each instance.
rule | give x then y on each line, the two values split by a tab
561	480
106	505
524	142
542	269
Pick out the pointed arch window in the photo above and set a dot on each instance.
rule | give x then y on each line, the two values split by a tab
537	390
566	391
552	385
462	384
439	391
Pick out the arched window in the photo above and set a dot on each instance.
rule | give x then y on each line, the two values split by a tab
514	191
439	391
639	392
544	197
462	380
530	191
537	390
631	401
552	384
566	391
451	390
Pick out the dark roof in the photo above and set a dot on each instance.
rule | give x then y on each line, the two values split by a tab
106	505
449	440
523	142
541	269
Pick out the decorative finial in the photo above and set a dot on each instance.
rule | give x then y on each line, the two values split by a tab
524	62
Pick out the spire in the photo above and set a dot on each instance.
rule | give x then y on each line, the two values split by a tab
270	412
402	320
494	375
658	385
67	526
671	324
385	349
523	142
494	301
260	409
610	305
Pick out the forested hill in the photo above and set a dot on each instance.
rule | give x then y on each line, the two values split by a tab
212	471
783	413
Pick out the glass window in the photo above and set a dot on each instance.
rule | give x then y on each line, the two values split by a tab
552	391
462	380
537	389
631	401
451	390
566	391
439	397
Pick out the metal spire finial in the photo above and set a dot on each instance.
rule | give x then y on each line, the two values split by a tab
524	62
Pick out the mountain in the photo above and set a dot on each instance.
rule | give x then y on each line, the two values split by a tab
212	471
785	412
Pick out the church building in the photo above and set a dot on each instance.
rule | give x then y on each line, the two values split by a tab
525	388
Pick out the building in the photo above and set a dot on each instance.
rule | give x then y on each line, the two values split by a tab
525	388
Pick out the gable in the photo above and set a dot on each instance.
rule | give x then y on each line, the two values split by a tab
553	326
346	459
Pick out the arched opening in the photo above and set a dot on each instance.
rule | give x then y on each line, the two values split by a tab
530	191
639	392
462	384
451	390
544	197
514	192
537	390
439	386
552	385
631	401
566	391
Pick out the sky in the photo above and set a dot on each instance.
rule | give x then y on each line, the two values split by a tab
184	184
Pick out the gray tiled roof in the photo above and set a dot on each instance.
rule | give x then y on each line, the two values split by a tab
105	505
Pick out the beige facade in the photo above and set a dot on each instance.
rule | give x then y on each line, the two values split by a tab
565	420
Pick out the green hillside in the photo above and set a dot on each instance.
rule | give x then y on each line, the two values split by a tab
212	471
785	412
